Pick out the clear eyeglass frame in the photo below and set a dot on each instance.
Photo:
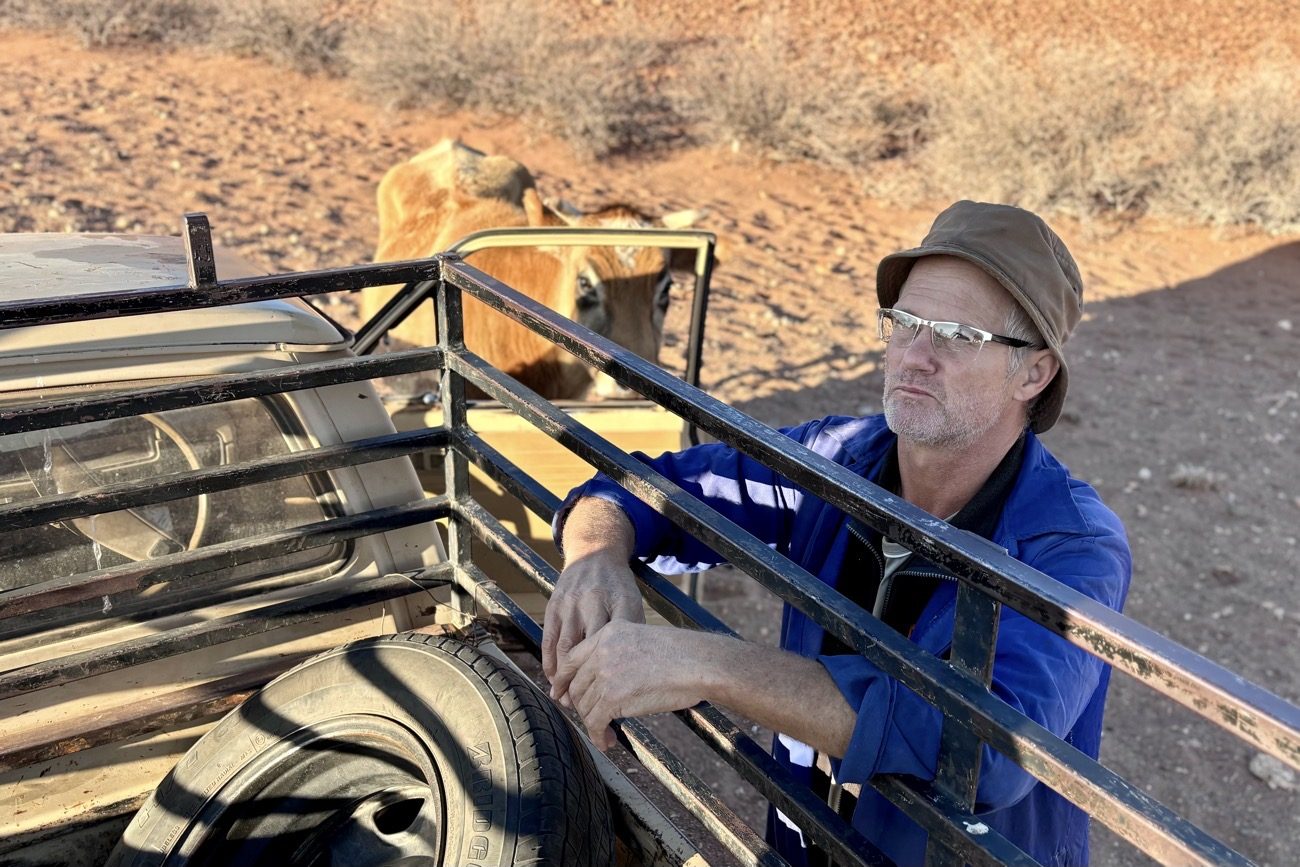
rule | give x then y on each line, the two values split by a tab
954	338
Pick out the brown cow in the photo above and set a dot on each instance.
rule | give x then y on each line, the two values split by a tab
445	193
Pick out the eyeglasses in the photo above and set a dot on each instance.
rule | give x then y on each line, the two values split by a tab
898	326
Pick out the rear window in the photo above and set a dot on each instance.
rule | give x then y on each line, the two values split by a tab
74	458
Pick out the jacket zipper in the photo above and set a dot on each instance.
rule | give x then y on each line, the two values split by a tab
875	555
887	587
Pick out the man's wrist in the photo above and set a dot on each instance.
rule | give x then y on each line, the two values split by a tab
714	660
597	528
603	557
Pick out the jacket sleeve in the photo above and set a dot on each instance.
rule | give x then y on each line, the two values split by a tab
1035	671
737	486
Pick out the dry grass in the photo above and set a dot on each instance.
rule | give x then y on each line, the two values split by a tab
1085	130
99	24
768	95
1235	140
1081	129
1067	128
511	58
299	34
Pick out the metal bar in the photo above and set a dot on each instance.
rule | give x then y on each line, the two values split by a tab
193	704
651	838
201	260
672	604
667	768
582	236
655	840
190	565
974	641
20	418
731	831
751	761
695	343
162	299
954	827
820	824
1262	719
703	243
172	486
1096	789
338	595
451	335
391	315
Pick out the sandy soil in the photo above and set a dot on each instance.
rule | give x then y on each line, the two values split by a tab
1185	375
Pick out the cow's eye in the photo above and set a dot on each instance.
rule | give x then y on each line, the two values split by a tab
588	297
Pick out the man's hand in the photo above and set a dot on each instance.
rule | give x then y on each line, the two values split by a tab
589	593
630	669
596	586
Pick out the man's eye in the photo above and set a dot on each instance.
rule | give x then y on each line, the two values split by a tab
947	331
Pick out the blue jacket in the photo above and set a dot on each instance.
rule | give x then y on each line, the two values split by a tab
1050	521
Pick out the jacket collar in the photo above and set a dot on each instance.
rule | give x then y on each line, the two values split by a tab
1041	500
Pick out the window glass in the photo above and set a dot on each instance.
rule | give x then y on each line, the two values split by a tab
75	458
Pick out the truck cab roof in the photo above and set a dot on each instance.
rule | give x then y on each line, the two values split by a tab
68	266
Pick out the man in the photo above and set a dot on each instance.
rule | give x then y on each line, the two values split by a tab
974	322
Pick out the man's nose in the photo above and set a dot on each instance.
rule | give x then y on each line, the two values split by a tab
919	354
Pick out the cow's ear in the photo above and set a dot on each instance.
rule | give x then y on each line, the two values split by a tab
534	210
565	212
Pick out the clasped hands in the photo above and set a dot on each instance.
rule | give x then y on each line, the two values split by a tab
604	661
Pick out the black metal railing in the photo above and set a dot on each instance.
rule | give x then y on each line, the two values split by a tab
990	578
957	686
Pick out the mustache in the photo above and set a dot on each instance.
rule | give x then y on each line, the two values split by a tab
928	386
893	380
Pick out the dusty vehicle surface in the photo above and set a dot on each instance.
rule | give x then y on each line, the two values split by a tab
200	489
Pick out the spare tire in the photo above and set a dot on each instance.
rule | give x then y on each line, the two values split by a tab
408	749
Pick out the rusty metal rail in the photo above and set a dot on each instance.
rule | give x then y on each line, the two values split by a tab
1268	722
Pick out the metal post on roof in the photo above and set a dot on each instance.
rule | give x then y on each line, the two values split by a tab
198	251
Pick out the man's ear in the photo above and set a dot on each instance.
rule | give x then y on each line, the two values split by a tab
1035	374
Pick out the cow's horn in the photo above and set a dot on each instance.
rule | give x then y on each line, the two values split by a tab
680	219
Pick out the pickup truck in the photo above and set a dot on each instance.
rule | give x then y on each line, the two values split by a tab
245	618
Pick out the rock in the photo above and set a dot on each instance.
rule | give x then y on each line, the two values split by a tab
1274	772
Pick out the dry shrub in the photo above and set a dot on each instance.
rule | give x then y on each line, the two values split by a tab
514	59
21	14
1085	129
411	53
1066	128
299	34
604	98
793	104
121	22
1236	146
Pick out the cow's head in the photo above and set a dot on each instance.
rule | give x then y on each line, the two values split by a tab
620	292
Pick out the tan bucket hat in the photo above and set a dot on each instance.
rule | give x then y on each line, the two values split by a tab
1022	253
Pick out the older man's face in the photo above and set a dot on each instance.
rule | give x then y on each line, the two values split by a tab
942	399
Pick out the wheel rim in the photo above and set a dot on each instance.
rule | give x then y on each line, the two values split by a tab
357	790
